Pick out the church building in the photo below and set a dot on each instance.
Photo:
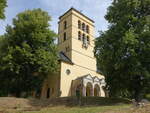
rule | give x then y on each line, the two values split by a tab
78	71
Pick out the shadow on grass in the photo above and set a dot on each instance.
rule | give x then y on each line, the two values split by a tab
31	104
84	101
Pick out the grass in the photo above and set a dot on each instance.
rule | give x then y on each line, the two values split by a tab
124	108
91	105
93	109
87	109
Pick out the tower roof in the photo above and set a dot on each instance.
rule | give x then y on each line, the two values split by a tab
77	12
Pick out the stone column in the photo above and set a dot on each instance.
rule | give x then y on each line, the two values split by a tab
99	91
92	90
83	91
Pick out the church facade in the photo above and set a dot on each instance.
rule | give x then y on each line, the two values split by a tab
78	71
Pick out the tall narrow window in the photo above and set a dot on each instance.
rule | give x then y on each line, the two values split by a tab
83	26
65	36
79	24
88	40
83	38
65	24
87	28
79	35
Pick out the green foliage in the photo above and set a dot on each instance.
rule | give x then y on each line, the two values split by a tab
28	52
123	51
2	8
147	96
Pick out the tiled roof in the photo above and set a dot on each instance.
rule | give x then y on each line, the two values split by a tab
63	57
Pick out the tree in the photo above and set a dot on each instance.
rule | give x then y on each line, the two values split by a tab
29	54
123	51
3	42
2	8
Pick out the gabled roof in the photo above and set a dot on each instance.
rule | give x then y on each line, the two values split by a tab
84	76
63	57
89	75
77	12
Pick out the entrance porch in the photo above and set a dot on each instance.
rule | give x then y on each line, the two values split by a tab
87	86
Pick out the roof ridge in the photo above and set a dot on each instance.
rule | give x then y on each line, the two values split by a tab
77	12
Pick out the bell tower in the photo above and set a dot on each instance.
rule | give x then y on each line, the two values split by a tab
76	38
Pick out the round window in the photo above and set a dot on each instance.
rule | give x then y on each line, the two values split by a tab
68	71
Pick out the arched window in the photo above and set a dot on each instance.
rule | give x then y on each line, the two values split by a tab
83	38
65	24
96	90
79	35
89	89
79	24
87	28
88	39
83	26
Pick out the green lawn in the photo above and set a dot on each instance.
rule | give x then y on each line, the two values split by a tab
90	109
90	105
68	105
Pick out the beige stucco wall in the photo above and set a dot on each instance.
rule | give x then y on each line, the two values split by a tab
76	72
52	82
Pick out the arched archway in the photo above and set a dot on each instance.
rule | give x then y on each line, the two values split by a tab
96	90
89	89
78	90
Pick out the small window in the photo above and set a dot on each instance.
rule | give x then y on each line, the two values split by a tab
87	28
65	36
83	26
65	24
88	39
79	35
79	24
68	71
67	49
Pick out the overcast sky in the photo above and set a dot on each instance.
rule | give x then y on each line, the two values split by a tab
94	9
